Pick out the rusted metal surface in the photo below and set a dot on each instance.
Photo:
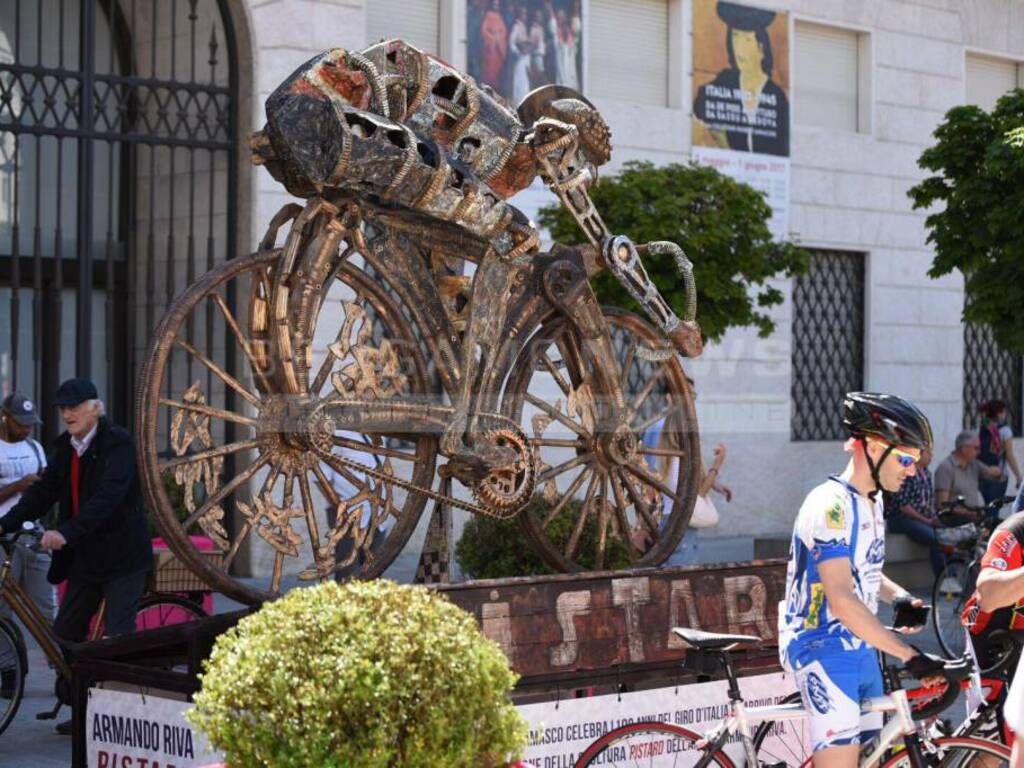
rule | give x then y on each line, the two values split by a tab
580	625
364	375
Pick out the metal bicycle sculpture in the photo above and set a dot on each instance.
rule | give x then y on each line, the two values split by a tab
360	357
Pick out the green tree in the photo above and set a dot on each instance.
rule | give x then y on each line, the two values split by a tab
976	195
720	223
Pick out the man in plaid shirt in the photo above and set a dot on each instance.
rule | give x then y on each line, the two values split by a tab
911	512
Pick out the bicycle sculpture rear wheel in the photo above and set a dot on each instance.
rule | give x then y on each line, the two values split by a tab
604	496
227	416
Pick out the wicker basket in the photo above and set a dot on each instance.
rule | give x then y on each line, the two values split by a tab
172	575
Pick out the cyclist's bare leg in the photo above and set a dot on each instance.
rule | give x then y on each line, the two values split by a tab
845	756
1017	758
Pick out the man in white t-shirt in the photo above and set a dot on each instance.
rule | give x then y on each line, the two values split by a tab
22	460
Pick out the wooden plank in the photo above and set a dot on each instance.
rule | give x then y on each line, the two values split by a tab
586	623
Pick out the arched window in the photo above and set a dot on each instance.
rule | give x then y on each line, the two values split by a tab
118	183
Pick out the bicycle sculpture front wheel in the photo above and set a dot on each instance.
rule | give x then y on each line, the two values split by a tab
617	446
12	672
235	441
653	745
953	588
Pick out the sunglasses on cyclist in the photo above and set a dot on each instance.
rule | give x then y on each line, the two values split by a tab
906	460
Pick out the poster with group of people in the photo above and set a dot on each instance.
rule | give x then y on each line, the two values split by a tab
515	46
741	104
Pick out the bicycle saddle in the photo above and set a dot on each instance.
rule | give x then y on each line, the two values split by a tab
711	641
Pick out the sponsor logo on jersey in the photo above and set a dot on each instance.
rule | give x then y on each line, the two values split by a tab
999	564
1007	543
814	609
876	552
835	518
818	693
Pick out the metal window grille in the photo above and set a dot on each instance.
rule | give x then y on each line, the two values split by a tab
990	372
828	342
118	181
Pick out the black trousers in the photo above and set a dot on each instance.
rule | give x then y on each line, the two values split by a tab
82	599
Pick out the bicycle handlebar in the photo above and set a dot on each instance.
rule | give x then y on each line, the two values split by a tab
27	529
954	672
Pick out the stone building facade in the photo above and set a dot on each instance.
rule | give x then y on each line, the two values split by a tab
896	67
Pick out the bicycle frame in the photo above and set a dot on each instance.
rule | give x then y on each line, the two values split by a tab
26	611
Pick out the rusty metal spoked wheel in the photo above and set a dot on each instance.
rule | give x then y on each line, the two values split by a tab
235	447
617	450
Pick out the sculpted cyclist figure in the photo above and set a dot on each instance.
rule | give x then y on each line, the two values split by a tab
828	630
400	128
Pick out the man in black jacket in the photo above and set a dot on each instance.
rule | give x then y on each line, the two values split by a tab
101	544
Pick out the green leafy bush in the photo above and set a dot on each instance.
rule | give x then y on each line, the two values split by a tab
365	675
495	549
720	223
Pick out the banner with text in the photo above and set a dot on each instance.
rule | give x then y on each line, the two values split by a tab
560	731
130	730
741	108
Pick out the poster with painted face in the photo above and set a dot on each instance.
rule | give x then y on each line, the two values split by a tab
740	78
515	46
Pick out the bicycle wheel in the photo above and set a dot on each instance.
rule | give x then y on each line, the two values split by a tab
956	752
603	497
653	745
164	610
948	605
12	673
236	443
786	743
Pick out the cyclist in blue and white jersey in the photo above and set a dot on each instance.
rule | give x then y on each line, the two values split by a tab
828	630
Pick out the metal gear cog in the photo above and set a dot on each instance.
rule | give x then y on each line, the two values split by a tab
504	491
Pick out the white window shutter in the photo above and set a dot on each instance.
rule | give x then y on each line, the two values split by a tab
628	50
414	21
825	77
989	78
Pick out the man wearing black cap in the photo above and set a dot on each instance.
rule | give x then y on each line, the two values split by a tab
100	543
743	103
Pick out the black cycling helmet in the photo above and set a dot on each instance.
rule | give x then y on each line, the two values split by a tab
887	417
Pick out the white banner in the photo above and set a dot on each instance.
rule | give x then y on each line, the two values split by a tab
560	731
766	173
129	730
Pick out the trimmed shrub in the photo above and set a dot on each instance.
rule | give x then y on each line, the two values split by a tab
368	674
495	549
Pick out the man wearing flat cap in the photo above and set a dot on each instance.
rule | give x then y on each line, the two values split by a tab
743	107
100	542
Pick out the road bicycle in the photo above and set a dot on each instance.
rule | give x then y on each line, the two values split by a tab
154	610
955	583
902	741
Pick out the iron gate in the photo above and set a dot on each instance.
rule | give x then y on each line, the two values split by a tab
118	181
990	373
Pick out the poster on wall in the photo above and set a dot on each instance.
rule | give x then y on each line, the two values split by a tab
741	83
515	46
561	730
